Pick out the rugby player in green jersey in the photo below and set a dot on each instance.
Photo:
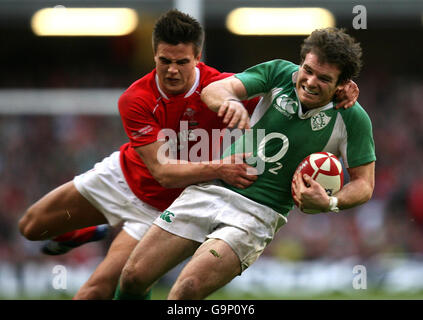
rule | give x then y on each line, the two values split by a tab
226	228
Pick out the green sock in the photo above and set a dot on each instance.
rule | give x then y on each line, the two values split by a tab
119	295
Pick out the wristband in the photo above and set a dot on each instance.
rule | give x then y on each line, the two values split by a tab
333	204
236	100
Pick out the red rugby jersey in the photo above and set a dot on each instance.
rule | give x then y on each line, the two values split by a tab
145	110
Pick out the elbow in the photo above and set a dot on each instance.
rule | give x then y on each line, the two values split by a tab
371	187
166	183
202	95
368	192
205	92
163	178
367	197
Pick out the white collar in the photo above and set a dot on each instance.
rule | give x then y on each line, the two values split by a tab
190	92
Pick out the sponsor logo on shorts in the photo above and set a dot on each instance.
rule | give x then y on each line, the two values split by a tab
166	216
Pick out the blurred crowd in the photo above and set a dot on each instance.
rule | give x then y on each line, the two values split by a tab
38	153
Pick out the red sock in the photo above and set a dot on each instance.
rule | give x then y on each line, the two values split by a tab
81	235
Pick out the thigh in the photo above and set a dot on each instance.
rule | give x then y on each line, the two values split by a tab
103	282
213	265
61	210
156	253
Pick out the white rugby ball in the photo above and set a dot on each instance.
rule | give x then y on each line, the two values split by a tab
326	169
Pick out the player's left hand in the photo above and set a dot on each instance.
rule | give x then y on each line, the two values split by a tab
309	194
347	95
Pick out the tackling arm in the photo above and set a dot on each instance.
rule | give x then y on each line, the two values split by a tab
179	173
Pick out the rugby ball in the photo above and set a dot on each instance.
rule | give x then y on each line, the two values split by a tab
326	169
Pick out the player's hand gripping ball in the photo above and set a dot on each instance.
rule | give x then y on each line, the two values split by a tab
326	169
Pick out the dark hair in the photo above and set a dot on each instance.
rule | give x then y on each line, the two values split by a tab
175	27
334	46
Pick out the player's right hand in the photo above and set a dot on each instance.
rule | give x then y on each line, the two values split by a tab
309	194
234	171
233	113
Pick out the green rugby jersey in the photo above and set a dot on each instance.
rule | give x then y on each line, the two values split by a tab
282	135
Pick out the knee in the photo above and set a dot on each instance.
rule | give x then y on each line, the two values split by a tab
186	289
29	225
131	282
94	292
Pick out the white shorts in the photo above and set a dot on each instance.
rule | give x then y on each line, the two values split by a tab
105	188
209	210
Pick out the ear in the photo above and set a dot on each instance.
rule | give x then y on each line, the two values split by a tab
155	57
198	58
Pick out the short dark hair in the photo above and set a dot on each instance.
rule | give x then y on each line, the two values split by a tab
174	27
334	46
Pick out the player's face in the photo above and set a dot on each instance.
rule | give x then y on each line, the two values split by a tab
316	82
175	66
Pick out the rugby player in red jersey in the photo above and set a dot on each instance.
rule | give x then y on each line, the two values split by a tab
131	185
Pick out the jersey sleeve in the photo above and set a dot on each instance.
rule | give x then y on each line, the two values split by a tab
138	121
216	77
360	143
262	78
249	104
